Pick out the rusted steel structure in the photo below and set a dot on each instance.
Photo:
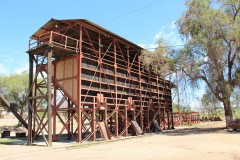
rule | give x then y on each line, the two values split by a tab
82	74
12	107
186	118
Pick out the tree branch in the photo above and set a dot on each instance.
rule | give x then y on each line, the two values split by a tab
236	13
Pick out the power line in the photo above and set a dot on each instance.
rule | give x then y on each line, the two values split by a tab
18	75
132	11
179	45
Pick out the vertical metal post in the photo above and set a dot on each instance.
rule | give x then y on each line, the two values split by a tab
30	138
49	102
100	61
94	120
79	86
172	112
69	120
115	82
72	120
111	124
125	122
129	92
35	94
148	123
150	83
133	115
140	91
168	119
54	105
129	71
164	120
158	99
105	115
172	127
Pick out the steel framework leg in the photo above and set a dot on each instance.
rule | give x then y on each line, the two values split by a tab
30	138
49	102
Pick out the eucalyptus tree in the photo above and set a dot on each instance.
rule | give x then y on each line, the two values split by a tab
164	62
235	99
211	29
157	61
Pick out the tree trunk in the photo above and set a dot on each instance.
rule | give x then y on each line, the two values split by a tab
228	111
21	114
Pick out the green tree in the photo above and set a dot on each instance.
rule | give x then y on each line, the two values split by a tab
211	30
165	62
236	98
157	60
179	79
210	103
15	88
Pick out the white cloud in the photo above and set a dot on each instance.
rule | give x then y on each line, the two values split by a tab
9	68
21	69
173	25
3	69
149	47
169	34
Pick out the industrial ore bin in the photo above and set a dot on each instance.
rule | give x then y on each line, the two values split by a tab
81	75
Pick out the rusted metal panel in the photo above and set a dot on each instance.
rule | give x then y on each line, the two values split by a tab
12	108
104	131
66	76
137	128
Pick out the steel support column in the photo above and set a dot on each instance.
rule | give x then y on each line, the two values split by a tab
79	86
172	127
125	121
168	120
54	105
49	91
30	138
164	120
115	82
94	120
158	100
140	91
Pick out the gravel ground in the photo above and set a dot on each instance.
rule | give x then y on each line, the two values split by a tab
206	141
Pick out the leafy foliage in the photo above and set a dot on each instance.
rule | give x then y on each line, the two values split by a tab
211	54
158	61
235	99
15	88
210	103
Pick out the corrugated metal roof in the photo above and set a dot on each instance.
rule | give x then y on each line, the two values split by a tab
50	25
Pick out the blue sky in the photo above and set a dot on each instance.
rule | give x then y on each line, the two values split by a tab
138	21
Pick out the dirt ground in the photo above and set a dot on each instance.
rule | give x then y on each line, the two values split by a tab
206	141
